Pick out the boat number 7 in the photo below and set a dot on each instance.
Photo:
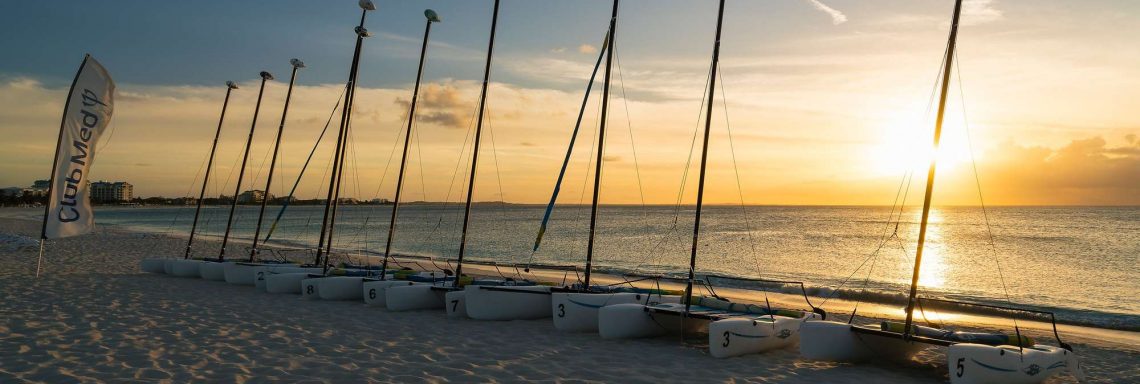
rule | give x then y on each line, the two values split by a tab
372	293
725	343
454	305
561	310
961	368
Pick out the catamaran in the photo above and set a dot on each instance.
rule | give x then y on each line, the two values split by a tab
214	269
243	273
306	282
972	357
411	296
186	266
732	328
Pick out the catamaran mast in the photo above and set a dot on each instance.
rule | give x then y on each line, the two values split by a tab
297	64
601	143
475	149
704	160
328	221
933	164
265	76
431	17
230	86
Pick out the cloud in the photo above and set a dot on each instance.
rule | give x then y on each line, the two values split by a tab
836	16
440	103
1083	172
587	49
979	12
558	50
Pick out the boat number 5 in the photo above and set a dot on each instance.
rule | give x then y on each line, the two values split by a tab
961	368
725	343
372	293
561	310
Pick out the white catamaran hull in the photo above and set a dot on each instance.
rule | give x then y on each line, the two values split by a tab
185	268
835	341
213	270
578	312
311	287
240	273
632	321
153	265
341	288
285	282
414	297
742	335
456	304
977	363
261	274
493	302
374	291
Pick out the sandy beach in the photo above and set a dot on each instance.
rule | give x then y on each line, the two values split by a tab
93	316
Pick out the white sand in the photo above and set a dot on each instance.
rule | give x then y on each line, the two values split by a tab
94	316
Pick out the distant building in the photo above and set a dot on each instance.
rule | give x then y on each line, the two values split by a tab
40	187
111	192
13	191
252	196
380	201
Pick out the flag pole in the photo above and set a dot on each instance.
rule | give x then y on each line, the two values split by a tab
55	164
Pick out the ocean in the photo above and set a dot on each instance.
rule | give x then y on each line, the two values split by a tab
1079	262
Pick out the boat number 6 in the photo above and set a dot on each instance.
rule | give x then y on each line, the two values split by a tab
961	368
561	310
309	290
372	293
725	343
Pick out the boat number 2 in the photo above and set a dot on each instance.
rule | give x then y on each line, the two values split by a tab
455	305
961	368
561	310
725	343
260	276
372	293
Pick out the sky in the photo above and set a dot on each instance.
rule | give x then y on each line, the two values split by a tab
817	102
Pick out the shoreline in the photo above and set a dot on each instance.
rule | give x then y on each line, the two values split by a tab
92	304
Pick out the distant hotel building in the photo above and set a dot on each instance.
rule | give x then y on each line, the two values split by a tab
252	196
111	192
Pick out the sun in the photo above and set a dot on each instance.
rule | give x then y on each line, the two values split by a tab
904	144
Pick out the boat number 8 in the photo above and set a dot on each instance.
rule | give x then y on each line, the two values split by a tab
725	343
961	368
561	310
309	290
372	293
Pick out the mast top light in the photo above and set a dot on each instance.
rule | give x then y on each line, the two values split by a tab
231	85
432	16
367	5
297	63
266	75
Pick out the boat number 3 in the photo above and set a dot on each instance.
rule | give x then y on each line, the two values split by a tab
309	290
561	310
725	343
454	305
961	368
372	293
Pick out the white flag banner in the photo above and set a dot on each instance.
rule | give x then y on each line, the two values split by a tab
85	116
